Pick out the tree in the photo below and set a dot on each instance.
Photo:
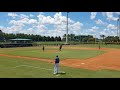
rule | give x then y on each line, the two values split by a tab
1	35
109	39
52	38
116	39
72	37
1	31
49	38
59	38
102	36
56	38
64	37
69	37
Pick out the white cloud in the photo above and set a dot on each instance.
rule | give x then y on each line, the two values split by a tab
22	16
55	33
60	23
13	15
22	22
40	25
104	32
99	21
111	27
13	29
93	29
45	19
108	32
31	15
72	28
76	26
93	15
110	15
32	21
17	23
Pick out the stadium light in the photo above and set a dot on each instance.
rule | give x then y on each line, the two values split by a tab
95	39
67	30
119	26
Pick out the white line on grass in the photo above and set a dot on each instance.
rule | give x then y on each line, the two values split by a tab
34	67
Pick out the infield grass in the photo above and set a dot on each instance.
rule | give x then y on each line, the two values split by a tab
51	52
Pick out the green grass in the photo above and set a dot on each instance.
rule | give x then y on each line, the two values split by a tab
102	46
51	43
11	68
64	54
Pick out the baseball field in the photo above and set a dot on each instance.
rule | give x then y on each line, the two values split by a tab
77	61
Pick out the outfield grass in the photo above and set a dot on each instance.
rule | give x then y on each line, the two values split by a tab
102	46
50	54
12	68
48	42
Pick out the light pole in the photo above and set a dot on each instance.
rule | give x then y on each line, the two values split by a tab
67	30
118	26
95	39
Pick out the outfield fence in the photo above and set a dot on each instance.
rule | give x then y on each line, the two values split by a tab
7	45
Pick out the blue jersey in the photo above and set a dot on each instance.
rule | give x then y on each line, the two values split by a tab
57	60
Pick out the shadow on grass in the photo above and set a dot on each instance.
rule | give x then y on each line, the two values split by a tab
62	73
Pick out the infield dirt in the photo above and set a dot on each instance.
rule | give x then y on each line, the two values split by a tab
109	60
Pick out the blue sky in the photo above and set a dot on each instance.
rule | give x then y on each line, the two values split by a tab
54	23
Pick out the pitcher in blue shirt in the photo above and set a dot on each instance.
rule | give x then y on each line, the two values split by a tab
56	65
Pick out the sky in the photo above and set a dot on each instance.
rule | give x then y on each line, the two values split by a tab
55	23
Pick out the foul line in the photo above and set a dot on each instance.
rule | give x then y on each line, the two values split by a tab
34	67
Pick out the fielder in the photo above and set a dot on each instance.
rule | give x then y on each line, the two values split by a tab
60	47
56	65
43	48
99	46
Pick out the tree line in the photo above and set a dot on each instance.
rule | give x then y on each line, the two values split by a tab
71	37
90	38
110	38
79	38
37	38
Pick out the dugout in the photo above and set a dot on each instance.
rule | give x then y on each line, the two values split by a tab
18	42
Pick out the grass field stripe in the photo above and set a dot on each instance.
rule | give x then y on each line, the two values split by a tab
34	67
